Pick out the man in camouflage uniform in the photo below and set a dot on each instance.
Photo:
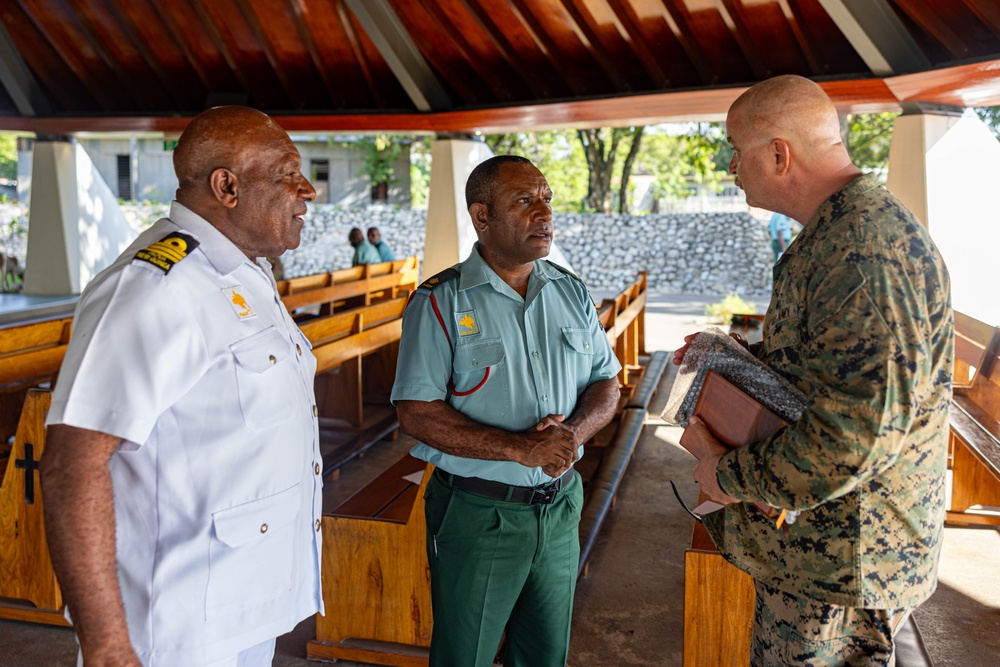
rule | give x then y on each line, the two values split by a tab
861	321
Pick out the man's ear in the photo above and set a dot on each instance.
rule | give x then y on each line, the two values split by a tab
480	215
225	187
782	156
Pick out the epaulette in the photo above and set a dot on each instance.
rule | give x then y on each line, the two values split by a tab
168	251
440	278
563	269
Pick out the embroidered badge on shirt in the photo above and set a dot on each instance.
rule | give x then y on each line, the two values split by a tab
239	302
169	250
468	325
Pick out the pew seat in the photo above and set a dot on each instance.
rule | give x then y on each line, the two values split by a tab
974	441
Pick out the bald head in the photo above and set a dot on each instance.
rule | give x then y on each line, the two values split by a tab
793	108
222	137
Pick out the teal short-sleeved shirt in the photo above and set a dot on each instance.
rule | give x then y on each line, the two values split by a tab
365	253
470	340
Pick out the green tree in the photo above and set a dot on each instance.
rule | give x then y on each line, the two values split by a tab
380	153
679	159
420	172
991	116
8	156
601	148
867	137
558	155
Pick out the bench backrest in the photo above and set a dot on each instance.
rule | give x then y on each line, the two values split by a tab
345	323
359	281
971	339
985	389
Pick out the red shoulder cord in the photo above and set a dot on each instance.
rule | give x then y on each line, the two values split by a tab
451	385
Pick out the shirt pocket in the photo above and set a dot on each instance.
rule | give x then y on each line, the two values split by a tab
267	379
479	380
251	552
782	334
578	350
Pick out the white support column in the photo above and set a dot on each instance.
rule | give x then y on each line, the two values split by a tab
450	235
76	227
944	165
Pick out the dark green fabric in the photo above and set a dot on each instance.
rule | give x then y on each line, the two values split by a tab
499	566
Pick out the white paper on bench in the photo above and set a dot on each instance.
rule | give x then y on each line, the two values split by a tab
415	477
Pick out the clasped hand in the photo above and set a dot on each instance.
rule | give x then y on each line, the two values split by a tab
550	445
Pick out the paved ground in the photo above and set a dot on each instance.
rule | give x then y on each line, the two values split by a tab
628	609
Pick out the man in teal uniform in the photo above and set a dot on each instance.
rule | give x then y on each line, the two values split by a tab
861	321
504	373
364	252
384	251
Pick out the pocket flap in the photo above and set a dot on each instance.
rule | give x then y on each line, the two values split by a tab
579	340
261	350
238	525
479	356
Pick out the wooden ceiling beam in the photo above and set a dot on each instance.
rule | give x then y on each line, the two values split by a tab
399	52
580	24
878	36
798	27
17	79
354	40
627	26
733	18
300	15
677	20
976	84
277	65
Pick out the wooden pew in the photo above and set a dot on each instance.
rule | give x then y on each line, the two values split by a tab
30	356
346	288
376	580
624	321
28	588
974	436
356	353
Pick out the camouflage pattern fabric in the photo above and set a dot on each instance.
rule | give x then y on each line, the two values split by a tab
861	322
792	631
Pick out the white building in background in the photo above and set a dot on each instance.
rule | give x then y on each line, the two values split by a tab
140	167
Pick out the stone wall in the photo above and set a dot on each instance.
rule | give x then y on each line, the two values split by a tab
696	253
708	253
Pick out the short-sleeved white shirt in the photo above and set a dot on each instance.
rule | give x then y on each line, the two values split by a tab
218	495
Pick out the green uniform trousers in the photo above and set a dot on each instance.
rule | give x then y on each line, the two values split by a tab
500	566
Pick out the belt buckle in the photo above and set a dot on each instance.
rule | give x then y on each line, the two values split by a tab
544	496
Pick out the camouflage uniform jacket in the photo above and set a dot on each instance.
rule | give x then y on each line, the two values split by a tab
861	321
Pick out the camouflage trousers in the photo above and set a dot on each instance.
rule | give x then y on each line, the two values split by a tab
796	631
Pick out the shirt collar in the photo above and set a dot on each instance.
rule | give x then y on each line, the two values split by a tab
840	203
475	272
220	251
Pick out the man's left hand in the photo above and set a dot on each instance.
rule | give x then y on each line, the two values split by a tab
706	474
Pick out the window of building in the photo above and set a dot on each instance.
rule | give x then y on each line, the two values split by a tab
124	177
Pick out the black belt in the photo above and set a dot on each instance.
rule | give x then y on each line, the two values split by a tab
528	495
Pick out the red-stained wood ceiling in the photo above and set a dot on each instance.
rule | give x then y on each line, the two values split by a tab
467	65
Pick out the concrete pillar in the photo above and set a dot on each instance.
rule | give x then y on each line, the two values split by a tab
450	234
76	227
944	165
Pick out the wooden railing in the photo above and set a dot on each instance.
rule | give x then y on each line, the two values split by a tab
325	293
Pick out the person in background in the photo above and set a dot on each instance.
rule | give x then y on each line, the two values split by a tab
364	252
181	472
504	373
781	233
861	322
384	251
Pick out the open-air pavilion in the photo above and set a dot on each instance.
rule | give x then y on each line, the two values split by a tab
460	68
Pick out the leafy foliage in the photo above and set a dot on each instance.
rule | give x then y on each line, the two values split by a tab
678	160
867	137
558	155
8	156
601	146
721	312
380	153
991	116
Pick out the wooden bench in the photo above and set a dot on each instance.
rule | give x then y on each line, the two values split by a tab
376	580
356	352
30	356
974	433
358	286
28	588
624	321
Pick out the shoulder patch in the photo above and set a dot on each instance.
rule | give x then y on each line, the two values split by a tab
169	250
440	278
563	269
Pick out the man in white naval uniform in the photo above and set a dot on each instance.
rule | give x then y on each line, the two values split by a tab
182	469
